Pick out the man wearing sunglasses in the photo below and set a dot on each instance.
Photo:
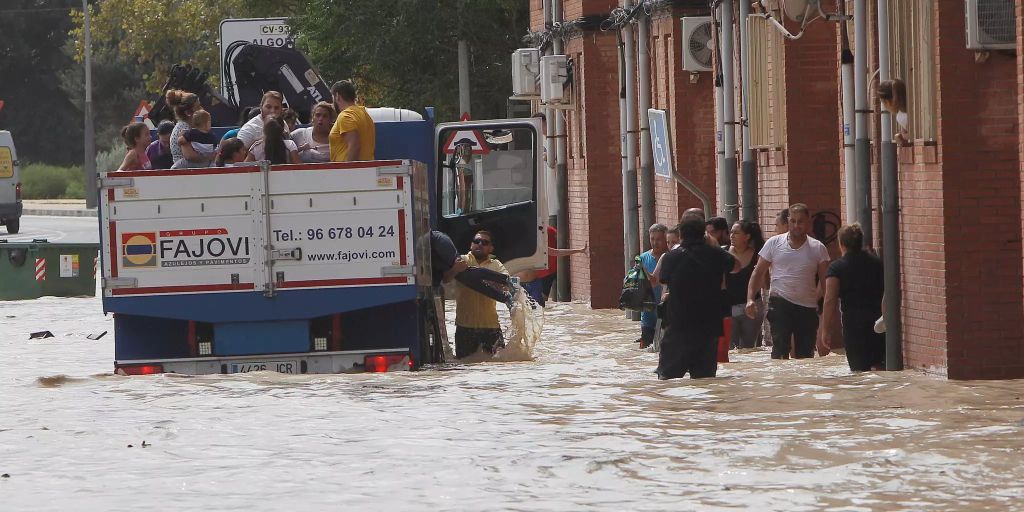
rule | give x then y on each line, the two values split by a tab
476	314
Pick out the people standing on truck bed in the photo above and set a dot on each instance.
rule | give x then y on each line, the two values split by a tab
274	146
159	151
290	118
270	106
314	141
231	152
136	138
184	105
353	136
247	115
476	315
198	144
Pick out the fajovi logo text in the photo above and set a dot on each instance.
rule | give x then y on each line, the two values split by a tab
202	247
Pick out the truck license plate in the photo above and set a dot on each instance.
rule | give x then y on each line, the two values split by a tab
264	366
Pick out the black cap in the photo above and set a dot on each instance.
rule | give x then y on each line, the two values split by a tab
165	128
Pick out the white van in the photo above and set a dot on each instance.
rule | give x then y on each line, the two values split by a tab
10	184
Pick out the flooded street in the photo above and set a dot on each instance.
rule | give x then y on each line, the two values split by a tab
585	425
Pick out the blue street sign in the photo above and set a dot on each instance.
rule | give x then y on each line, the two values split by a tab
660	142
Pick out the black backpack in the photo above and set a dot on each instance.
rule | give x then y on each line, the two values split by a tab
637	293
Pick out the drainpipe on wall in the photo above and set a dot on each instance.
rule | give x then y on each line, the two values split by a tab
890	212
730	180
749	165
863	142
646	156
562	177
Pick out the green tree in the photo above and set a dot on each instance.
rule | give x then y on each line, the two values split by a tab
157	35
44	122
117	86
404	53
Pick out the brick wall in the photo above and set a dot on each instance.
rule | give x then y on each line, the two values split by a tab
595	178
982	206
1020	106
808	168
688	99
812	85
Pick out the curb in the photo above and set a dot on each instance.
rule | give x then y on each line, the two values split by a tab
59	213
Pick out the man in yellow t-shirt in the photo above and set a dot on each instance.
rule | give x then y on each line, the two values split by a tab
476	315
353	136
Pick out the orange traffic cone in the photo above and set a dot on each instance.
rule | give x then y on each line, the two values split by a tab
724	340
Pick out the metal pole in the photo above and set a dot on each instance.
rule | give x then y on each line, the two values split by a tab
550	152
863	142
89	165
463	77
646	156
628	184
890	211
562	175
630	194
849	139
749	165
627	256
729	114
719	118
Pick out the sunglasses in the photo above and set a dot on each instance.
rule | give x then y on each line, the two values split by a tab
481	241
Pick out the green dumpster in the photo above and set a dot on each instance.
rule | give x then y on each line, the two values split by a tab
38	268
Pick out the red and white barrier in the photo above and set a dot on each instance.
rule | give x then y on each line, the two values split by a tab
40	269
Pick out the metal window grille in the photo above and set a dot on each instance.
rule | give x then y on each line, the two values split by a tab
912	58
767	112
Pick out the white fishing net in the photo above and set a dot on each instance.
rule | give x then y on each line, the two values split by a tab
524	325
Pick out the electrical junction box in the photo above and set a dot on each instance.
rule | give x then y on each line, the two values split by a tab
525	72
554	72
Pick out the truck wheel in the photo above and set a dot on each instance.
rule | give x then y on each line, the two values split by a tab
13	226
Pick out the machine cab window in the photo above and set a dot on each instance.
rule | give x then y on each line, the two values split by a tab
489	179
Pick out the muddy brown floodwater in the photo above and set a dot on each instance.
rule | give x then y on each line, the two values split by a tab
584	426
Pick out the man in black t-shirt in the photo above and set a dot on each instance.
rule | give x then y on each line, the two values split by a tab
693	274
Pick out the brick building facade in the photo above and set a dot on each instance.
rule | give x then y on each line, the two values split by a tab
962	220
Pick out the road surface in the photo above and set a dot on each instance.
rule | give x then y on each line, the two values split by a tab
55	229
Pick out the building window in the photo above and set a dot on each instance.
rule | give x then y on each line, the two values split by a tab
767	112
912	58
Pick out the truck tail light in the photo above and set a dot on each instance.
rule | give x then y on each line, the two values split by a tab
381	363
140	369
17	192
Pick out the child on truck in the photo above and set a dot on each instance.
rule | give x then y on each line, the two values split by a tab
136	138
198	144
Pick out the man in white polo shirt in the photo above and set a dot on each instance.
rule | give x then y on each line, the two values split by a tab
270	106
798	265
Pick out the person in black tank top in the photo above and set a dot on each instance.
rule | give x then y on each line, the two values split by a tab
746	240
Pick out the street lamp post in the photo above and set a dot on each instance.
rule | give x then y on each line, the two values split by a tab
89	165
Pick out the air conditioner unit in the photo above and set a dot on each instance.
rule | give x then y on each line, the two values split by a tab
991	25
697	43
525	72
554	71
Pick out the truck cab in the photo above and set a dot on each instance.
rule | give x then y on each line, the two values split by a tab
10	184
313	268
